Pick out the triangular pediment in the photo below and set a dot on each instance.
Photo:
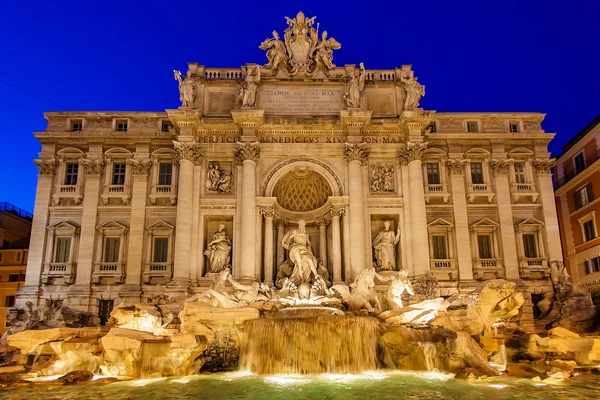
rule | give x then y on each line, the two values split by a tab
160	225
112	225
531	222
441	222
63	225
485	222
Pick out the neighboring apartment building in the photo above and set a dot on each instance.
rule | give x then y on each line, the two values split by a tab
577	182
15	227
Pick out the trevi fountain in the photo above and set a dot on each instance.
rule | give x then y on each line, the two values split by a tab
385	331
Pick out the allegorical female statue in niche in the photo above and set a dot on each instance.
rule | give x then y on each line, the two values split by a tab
385	248
218	251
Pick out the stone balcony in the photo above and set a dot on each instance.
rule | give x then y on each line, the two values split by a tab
120	192
488	268
157	273
533	268
73	193
58	273
436	191
163	192
484	190
525	190
444	269
108	273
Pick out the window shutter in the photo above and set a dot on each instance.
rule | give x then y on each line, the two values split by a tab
577	199
590	193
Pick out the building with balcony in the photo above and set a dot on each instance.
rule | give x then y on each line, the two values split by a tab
577	182
15	228
128	202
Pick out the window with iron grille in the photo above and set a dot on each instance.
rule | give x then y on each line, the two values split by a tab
165	173
433	173
161	249
484	244
477	173
529	246
76	125
63	247
513	127
121	126
583	196
71	171
111	249
104	309
439	247
119	173
472	126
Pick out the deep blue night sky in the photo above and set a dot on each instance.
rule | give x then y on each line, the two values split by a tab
508	55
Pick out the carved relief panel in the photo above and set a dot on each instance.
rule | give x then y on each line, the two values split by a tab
219	177
382	177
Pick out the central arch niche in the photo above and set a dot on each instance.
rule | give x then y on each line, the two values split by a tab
301	190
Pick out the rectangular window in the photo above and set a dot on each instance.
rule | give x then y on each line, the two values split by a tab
579	161
513	127
63	247
589	230
484	244
432	127
165	173
476	173
13	278
76	125
71	172
592	265
161	249
433	173
472	126
111	249
9	301
520	172
583	196
121	125
119	173
439	247
529	247
165	126
18	257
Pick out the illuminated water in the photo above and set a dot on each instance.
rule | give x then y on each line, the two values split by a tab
369	385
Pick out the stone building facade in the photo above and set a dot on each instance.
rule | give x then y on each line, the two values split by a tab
577	182
128	203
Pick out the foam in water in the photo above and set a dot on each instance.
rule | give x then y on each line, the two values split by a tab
310	345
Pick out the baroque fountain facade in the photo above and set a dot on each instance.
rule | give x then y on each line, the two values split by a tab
296	205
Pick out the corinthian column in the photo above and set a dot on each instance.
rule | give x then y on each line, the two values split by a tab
412	156
248	154
268	259
135	255
323	242
542	167
336	213
280	250
356	155
188	155
461	221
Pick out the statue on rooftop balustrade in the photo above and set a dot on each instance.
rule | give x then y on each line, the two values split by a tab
354	88
414	91
187	89
249	86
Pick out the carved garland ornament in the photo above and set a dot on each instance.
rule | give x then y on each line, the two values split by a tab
413	152
543	166
91	166
500	167
47	166
247	151
140	167
190	151
356	152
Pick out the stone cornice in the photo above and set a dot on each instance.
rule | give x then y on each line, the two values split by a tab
248	118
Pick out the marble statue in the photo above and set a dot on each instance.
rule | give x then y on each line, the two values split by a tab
218	251
382	178
361	294
300	40
249	86
297	242
276	51
354	88
385	248
324	51
217	179
248	294
187	89
414	91
398	283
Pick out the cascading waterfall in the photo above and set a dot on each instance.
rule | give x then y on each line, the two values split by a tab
500	359
429	355
312	344
155	359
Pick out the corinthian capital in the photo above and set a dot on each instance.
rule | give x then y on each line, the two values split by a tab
92	166
457	167
46	166
500	167
543	166
337	212
356	152
139	167
247	151
190	151
412	152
